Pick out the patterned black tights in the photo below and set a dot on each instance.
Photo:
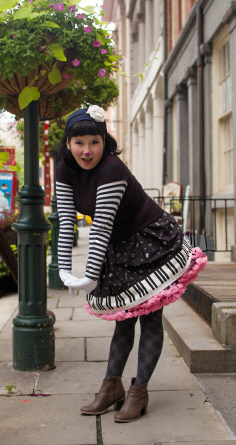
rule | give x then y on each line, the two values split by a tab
150	346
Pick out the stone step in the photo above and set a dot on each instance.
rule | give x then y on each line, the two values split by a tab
200	300
194	340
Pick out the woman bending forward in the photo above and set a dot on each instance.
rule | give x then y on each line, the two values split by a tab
138	261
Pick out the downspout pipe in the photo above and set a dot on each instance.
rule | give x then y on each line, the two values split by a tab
200	82
165	99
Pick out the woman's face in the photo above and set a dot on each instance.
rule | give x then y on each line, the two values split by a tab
87	150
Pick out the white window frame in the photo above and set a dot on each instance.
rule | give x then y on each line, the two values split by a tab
222	153
183	12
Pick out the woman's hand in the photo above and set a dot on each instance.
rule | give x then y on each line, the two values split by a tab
75	284
65	276
81	283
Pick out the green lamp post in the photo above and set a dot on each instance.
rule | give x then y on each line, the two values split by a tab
33	333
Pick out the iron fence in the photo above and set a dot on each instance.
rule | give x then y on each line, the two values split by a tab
186	210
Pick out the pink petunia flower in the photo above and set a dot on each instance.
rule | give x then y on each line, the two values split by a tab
103	51
59	6
66	76
80	15
51	5
84	87
42	48
102	72
87	29
72	8
96	43
75	62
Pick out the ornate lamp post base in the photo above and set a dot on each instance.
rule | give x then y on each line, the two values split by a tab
34	347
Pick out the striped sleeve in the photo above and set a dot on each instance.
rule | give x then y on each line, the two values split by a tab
66	213
107	202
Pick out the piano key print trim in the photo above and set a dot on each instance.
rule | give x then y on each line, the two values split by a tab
146	288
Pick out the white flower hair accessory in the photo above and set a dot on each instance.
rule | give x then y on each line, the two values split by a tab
96	112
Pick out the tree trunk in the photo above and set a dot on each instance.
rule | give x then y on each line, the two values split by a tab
8	256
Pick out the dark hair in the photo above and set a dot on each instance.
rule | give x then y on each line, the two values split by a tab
82	128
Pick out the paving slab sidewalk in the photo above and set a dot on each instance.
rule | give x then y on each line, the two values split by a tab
179	411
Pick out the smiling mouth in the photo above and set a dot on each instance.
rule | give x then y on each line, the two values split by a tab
87	161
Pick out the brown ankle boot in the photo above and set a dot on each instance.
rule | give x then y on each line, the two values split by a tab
135	404
111	392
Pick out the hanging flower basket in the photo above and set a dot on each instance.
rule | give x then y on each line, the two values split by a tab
50	106
103	92
38	77
45	47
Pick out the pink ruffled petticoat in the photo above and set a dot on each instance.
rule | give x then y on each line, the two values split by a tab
163	298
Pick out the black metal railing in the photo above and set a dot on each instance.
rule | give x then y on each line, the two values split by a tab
187	210
154	193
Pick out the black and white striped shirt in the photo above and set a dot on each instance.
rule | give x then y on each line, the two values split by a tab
108	199
66	213
136	209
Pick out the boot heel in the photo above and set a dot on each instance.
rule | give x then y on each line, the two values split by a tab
118	405
144	410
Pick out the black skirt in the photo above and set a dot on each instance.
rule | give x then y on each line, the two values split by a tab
138	268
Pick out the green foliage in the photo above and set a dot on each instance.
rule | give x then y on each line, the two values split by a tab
56	131
7	219
57	50
103	92
54	75
5	4
4	155
35	36
49	240
27	95
10	387
3	269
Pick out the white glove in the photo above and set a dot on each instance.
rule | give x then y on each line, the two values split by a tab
65	275
74	284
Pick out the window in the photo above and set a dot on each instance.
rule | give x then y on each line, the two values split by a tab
225	79
183	13
175	143
173	39
226	155
222	138
225	118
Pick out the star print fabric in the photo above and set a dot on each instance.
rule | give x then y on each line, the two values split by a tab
143	267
